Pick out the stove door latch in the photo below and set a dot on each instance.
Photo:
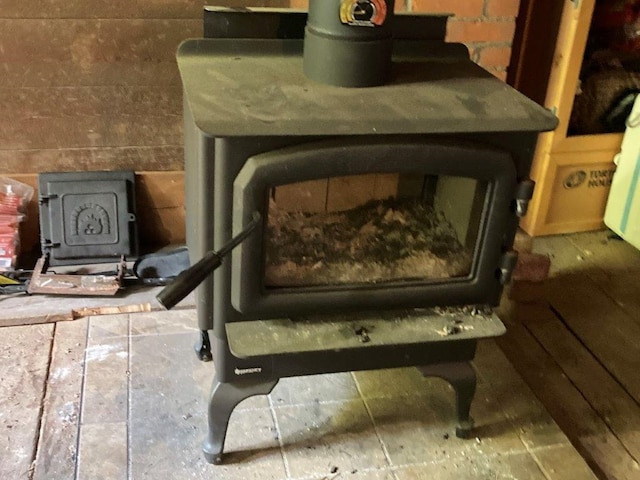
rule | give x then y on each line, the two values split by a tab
44	199
46	243
524	192
507	265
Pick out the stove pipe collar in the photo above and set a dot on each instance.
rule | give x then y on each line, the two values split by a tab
348	43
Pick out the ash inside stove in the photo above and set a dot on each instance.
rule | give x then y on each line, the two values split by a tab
399	239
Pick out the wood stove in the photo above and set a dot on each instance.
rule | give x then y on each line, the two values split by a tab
264	110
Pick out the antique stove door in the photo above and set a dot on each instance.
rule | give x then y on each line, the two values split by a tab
87	217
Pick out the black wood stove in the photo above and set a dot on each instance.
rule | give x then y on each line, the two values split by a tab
276	98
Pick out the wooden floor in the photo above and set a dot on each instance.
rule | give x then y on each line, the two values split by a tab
576	342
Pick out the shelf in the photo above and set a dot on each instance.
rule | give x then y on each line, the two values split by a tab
566	199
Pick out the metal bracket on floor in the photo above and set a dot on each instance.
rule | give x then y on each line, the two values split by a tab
56	284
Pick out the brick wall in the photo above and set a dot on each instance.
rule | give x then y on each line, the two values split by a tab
485	26
94	85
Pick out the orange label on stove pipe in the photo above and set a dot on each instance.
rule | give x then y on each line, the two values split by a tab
363	13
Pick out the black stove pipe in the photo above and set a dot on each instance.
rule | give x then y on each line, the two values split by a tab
348	43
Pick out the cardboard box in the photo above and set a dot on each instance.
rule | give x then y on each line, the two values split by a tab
573	195
573	173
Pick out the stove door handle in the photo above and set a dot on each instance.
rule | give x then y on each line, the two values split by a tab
188	280
524	193
193	276
507	266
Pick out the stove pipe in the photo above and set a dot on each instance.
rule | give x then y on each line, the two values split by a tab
348	43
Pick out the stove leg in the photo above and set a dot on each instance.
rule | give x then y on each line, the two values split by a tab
462	378
203	346
223	399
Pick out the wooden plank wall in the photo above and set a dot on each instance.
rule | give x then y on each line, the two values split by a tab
94	86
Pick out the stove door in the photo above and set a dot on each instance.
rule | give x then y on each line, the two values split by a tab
371	225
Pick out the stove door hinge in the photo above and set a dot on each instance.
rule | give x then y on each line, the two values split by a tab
507	265
524	193
44	199
49	244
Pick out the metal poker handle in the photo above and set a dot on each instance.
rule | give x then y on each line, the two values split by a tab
193	276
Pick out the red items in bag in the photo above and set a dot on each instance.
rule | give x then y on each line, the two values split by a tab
9	203
14	198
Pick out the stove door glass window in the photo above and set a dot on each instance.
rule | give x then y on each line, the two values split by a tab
371	229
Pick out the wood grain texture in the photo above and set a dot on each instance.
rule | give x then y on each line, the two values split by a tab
120	8
22	310
607	253
92	93
604	328
85	43
622	288
24	360
100	131
616	407
160	205
144	158
594	440
66	74
578	346
88	102
61	414
52	118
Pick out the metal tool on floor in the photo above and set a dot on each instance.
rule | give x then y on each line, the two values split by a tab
90	285
155	269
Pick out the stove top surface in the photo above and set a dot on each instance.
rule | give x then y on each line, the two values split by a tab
257	87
